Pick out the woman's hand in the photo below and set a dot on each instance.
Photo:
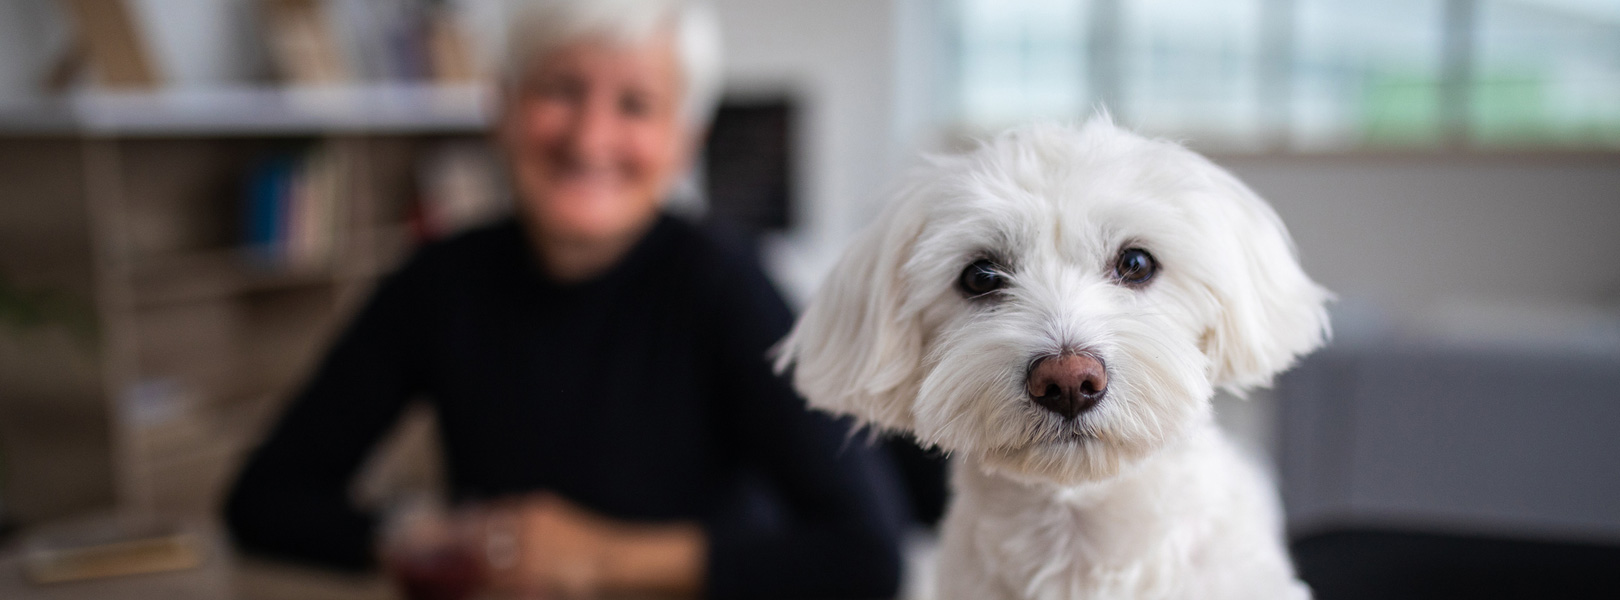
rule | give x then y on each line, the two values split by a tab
544	546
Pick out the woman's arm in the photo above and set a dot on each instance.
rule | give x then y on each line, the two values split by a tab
292	498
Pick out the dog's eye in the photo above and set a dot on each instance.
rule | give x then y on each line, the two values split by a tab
980	278
1135	267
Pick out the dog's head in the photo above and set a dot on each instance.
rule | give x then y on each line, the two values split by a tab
1058	303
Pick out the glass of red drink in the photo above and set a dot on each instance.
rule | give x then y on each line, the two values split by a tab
431	554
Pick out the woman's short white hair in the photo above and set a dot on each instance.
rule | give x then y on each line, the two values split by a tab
539	26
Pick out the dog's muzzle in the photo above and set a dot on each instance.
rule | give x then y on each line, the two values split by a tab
1067	384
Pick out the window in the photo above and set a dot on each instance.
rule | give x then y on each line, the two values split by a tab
1021	59
1297	74
1546	72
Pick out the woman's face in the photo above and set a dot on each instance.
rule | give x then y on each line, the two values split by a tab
595	138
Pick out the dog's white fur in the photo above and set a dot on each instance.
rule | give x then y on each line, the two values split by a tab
1140	497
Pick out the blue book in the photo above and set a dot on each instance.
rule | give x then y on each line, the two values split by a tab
269	187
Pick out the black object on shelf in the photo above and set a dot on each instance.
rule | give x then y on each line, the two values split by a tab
1357	564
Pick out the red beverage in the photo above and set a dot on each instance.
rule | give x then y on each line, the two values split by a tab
449	572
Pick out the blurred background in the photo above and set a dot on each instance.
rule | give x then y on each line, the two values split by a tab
194	193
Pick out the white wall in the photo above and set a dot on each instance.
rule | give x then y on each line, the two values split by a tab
31	34
837	58
1426	234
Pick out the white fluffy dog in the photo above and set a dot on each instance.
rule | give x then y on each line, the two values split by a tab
1056	309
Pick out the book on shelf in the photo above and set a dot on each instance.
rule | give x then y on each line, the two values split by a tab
296	208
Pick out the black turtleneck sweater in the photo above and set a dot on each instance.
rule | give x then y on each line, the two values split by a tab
645	394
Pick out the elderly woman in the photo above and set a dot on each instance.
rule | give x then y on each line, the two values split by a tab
599	369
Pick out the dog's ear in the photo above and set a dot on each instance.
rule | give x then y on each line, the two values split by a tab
1270	312
854	351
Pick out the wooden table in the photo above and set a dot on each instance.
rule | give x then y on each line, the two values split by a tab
223	575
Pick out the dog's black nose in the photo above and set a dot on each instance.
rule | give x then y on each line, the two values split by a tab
1068	384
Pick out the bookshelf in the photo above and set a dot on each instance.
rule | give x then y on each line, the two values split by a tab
138	202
